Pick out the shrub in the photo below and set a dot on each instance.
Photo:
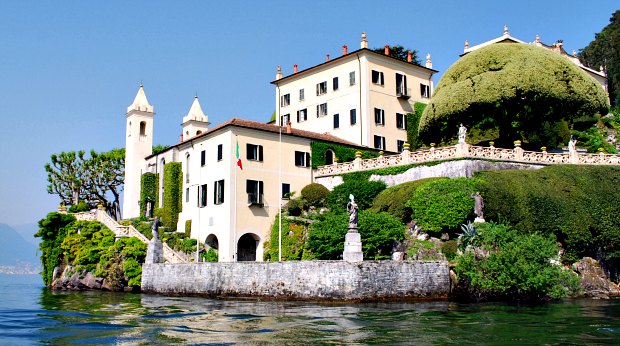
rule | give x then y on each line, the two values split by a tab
210	255
52	231
149	188
173	190
578	204
393	200
293	240
363	191
517	268
78	208
188	228
449	249
377	230
443	205
413	122
295	206
315	194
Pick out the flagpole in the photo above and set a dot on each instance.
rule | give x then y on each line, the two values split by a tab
234	198
280	199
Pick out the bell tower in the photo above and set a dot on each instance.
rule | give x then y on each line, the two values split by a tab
138	145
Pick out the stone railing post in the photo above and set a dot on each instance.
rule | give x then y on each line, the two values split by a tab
357	163
405	154
518	151
462	150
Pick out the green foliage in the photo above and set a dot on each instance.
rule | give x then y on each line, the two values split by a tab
52	231
188	228
173	191
393	200
159	149
315	194
210	255
78	208
578	204
594	138
342	153
603	51
517	268
399	52
469	236
179	242
273	117
413	123
364	192
293	240
442	205
449	249
377	230
149	188
295	206
515	88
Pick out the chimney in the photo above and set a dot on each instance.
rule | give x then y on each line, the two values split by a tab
279	73
386	50
289	129
429	63
295	68
409	57
327	57
364	42
181	138
345	50
466	45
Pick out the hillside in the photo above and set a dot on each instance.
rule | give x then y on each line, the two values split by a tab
15	249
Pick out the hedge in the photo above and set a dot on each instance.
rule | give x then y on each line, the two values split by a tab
173	192
293	240
413	122
363	191
149	187
578	204
393	199
342	153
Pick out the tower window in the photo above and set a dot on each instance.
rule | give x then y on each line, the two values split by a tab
143	128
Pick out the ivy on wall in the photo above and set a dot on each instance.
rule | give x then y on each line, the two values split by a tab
413	122
342	153
173	191
149	186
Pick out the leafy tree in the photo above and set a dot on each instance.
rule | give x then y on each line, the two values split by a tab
364	192
399	52
518	268
65	177
515	88
159	148
315	194
604	51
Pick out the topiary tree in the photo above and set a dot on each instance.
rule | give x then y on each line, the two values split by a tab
393	200
315	194
517	89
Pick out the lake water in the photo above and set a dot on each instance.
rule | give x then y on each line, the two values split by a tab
32	314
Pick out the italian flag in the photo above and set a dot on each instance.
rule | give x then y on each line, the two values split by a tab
238	155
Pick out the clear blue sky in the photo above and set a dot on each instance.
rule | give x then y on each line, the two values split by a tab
69	69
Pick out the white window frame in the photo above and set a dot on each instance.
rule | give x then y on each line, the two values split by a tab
379	80
380	120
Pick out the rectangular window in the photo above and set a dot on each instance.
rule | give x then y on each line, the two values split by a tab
203	158
379	116
254	189
203	195
302	115
302	159
401	85
336	121
321	110
400	121
220	149
379	142
218	192
321	88
301	95
352	78
377	77
187	195
400	145
285	100
285	119
425	91
255	152
335	84
286	190
353	114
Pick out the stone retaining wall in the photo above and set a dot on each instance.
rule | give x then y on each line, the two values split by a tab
301	280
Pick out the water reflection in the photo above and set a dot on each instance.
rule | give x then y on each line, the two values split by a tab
37	315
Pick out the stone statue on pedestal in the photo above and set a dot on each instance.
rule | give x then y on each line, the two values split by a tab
352	241
155	248
478	207
353	214
462	133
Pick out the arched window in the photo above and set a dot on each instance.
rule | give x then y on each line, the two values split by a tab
198	132
143	128
329	157
187	168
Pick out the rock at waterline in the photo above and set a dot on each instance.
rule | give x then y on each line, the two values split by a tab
594	281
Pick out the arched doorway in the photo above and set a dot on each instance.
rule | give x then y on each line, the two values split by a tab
246	247
212	241
329	157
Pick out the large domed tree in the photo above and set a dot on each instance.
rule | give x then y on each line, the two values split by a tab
525	92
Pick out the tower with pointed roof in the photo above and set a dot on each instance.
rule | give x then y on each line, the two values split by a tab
138	145
195	122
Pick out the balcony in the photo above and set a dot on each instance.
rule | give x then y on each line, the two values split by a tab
403	93
255	199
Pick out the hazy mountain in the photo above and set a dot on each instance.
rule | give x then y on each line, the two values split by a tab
14	248
27	232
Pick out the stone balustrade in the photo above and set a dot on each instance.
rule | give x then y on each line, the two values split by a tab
464	150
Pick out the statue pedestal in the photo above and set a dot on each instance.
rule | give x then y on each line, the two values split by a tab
353	247
479	220
155	252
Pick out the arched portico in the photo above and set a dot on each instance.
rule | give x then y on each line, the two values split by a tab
246	247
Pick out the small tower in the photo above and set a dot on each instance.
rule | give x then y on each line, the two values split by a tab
195	122
138	145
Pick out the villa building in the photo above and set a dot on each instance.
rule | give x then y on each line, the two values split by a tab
558	47
362	96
